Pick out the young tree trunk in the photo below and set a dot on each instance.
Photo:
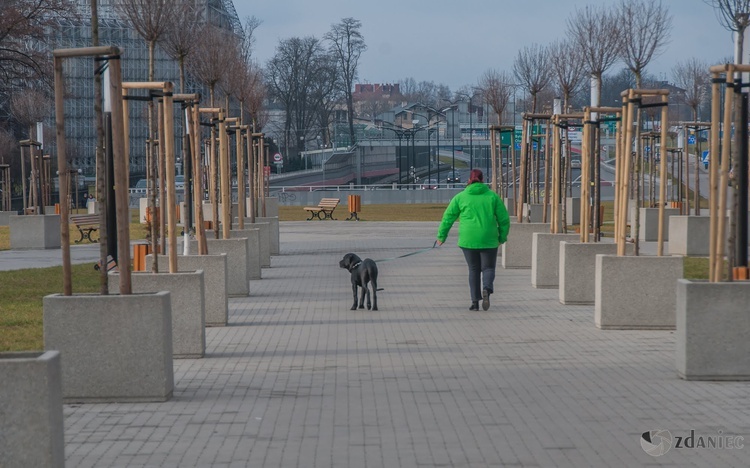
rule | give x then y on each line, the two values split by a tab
152	163
101	164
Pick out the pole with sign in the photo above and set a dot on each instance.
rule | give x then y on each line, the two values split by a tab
279	161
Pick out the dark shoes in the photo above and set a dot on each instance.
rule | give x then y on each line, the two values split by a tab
485	299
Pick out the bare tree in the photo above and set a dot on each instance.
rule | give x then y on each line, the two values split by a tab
408	86
30	106
325	94
645	27
290	75
567	69
239	83
7	145
150	19
594	30
371	104
257	96
179	38
23	25
8	155
692	75
212	57
734	15
531	68
347	45
497	88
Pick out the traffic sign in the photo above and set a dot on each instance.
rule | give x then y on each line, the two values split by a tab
704	159
277	157
691	139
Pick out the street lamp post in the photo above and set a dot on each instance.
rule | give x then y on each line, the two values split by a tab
414	131
453	135
471	130
471	137
453	145
428	118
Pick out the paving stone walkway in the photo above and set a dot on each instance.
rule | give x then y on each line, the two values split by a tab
299	380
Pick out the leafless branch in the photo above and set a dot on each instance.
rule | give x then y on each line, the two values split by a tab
645	27
595	32
497	88
532	69
567	68
692	75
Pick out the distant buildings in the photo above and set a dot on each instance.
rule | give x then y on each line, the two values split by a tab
113	30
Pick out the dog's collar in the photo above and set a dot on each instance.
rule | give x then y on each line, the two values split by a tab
355	265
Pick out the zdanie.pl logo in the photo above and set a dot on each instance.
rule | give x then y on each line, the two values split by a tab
657	443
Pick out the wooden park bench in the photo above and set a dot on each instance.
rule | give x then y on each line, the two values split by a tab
326	207
86	224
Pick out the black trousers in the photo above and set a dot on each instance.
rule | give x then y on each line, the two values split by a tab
481	264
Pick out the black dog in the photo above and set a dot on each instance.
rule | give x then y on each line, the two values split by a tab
363	272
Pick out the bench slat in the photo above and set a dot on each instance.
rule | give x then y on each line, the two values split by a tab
325	206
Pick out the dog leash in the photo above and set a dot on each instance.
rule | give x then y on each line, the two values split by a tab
409	254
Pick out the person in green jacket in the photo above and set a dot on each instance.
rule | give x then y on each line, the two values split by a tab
483	225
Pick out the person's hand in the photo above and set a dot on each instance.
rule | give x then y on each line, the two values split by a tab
438	243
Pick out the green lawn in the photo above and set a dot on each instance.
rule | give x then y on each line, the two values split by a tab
21	302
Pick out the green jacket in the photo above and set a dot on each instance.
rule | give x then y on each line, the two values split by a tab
483	220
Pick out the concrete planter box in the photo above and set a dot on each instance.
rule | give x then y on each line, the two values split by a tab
31	410
34	232
534	210
545	258
265	240
214	282
253	250
649	227
572	211
238	284
510	205
272	206
713	325
275	240
689	235
92	206
115	348
208	212
188	306
577	270
636	293
5	217
142	207
516	252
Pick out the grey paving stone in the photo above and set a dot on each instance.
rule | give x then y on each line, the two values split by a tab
297	379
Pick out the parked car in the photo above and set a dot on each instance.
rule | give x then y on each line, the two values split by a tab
575	163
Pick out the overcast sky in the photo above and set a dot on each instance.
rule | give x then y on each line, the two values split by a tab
455	42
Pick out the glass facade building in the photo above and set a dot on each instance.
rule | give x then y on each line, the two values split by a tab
79	75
